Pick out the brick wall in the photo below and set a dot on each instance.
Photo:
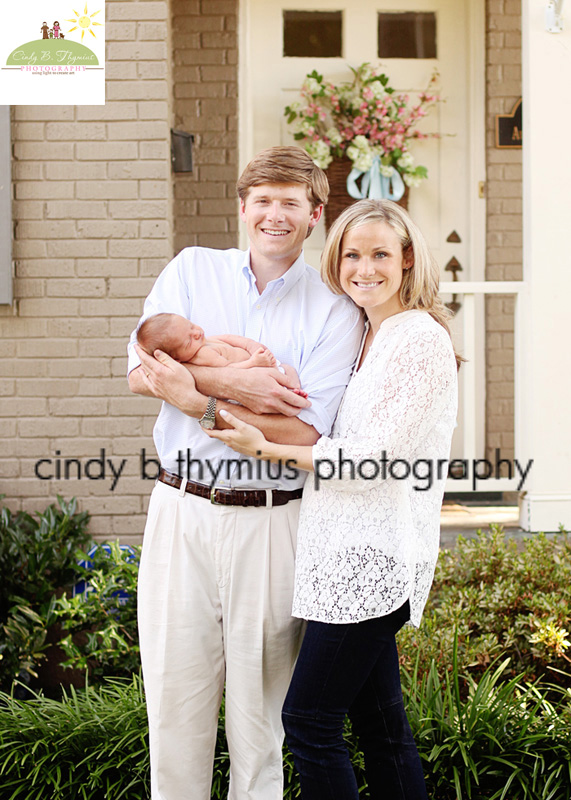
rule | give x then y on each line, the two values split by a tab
504	222
93	227
205	56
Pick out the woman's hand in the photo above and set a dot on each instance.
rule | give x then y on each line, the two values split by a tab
244	438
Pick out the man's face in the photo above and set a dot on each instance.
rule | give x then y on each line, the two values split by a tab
278	217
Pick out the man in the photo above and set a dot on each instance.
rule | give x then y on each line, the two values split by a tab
216	578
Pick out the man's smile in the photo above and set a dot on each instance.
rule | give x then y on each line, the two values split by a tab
275	231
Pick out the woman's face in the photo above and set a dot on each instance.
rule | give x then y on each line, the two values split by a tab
371	269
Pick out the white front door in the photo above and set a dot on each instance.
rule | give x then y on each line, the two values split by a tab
450	200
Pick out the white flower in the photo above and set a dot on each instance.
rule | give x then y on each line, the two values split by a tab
334	136
362	158
411	180
313	86
405	161
361	142
320	154
387	172
378	90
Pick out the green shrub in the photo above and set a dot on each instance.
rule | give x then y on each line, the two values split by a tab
502	601
101	630
503	740
37	561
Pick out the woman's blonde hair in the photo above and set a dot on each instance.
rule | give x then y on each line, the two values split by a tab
419	287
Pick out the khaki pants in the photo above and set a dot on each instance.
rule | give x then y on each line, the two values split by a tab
215	594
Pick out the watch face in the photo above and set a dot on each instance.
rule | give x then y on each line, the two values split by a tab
208	424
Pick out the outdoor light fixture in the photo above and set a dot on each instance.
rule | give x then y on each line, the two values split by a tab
181	151
553	21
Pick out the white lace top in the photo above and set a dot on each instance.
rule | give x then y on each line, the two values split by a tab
368	538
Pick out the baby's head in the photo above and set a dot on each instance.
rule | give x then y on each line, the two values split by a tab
171	333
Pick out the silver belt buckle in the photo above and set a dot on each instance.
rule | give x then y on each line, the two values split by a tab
212	498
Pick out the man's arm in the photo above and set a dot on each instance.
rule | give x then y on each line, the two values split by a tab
172	382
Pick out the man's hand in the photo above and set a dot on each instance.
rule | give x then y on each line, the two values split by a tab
165	378
261	389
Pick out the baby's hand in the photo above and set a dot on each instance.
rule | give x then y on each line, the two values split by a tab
300	392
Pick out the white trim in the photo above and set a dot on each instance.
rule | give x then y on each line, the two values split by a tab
6	268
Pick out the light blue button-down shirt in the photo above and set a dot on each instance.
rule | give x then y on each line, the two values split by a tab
296	317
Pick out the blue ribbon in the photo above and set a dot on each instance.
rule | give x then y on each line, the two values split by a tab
375	185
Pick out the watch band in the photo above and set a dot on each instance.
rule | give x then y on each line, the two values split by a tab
208	419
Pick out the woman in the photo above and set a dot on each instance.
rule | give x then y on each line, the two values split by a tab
369	524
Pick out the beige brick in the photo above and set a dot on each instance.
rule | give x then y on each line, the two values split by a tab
138	90
152	70
154	150
144	248
80	287
24	287
139	169
70	407
121	31
152	109
26	171
48	307
76	172
130	287
46	113
45	230
69	249
44	387
107	190
120	71
108	230
106	387
45	267
7	388
110	111
102	347
78	327
146	209
137	51
108	267
8	428
45	190
149	31
44	151
23	406
136	11
74	131
29	249
23	369
137	131
154	189
110	307
154	229
78	209
106	151
28	131
78	368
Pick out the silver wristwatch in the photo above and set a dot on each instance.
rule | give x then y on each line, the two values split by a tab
208	419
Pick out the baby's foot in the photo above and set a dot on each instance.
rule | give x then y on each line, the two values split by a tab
262	358
300	392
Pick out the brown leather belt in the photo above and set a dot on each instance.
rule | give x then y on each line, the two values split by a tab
230	497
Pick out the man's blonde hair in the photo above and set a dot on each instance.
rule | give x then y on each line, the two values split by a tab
288	165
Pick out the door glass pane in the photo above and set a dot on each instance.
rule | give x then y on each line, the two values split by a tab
407	34
316	34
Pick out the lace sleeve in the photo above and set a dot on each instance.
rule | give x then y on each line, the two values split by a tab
396	408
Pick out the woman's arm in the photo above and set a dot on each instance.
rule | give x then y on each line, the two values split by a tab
250	441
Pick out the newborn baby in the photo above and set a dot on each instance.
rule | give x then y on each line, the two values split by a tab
184	341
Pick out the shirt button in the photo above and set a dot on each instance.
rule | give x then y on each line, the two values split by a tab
258	307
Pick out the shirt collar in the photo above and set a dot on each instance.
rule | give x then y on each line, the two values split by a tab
285	282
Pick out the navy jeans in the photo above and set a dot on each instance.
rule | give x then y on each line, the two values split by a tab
352	669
